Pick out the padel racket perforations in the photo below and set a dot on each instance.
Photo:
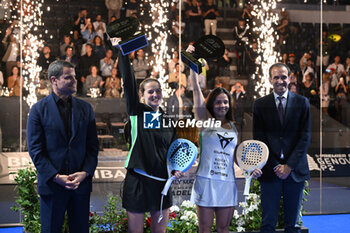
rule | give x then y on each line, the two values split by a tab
251	154
182	153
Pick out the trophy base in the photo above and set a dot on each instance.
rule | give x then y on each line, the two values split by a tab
191	62
134	43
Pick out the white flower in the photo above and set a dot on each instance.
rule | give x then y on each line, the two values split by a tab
186	204
187	223
235	214
183	217
240	229
174	208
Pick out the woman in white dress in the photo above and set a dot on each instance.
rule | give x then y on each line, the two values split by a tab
215	190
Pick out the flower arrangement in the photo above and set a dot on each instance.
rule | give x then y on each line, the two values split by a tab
183	219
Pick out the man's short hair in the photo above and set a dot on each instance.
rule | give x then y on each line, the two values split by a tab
56	68
279	65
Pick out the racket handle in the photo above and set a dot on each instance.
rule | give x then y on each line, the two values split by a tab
167	185
247	186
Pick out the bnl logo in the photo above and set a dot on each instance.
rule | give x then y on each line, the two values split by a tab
151	120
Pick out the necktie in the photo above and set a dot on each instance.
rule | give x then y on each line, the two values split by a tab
280	109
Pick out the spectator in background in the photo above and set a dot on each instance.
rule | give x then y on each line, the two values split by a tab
99	48
341	94
107	64
174	61
306	66
13	82
45	60
246	14
194	23
240	40
175	28
85	62
99	26
88	32
293	66
176	78
283	32
284	58
210	12
131	7
93	80
309	90
239	104
114	7
325	50
80	20
66	42
179	106
140	65
347	70
336	69
113	85
293	88
325	92
77	42
252	54
224	63
70	57
12	50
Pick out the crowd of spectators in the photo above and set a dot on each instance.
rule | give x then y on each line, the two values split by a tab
88	48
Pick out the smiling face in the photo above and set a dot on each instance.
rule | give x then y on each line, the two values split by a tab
152	94
221	106
279	79
66	84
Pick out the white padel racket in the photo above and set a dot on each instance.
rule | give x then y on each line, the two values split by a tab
251	154
182	153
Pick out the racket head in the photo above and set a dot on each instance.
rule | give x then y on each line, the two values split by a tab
252	154
182	153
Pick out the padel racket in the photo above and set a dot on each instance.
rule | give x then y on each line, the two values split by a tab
182	153
251	154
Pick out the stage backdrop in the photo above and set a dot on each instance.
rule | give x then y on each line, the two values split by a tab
334	162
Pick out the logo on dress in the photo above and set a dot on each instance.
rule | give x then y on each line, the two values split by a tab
224	141
151	120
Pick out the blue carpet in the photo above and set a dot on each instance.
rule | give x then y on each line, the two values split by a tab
336	223
11	230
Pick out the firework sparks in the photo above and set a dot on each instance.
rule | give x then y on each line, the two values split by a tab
28	15
266	19
157	33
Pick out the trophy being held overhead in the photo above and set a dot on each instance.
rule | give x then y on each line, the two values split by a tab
207	47
124	33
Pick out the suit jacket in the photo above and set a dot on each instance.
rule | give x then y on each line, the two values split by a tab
52	152
293	137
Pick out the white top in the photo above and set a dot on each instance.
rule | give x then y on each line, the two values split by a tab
99	31
217	153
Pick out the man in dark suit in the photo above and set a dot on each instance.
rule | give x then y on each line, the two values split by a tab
63	145
282	121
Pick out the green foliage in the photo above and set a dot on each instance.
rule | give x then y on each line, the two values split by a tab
250	218
28	200
112	220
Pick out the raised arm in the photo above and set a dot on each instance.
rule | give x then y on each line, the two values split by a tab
129	83
200	110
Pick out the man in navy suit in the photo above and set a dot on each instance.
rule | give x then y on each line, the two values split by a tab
282	121
62	142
